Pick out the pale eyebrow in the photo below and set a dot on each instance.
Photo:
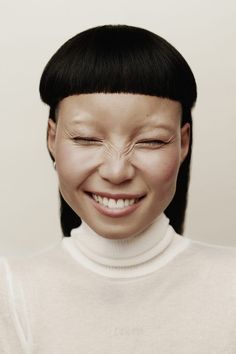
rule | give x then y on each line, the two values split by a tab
83	124
80	121
154	127
142	128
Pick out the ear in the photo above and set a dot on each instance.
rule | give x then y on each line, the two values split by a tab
51	136
185	140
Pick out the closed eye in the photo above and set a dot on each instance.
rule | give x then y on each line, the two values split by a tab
86	140
153	142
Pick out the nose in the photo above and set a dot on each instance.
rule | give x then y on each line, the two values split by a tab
116	170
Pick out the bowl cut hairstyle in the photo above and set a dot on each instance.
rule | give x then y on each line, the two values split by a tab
122	59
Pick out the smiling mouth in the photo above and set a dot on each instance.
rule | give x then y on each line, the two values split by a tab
115	210
136	200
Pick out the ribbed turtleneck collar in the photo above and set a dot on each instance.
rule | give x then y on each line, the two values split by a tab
123	252
129	257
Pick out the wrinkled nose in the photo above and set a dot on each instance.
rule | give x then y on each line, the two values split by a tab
116	168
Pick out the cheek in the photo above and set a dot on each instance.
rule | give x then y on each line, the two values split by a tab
73	165
162	167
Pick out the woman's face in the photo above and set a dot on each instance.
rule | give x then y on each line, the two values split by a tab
136	146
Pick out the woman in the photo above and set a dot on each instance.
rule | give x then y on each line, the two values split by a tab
126	281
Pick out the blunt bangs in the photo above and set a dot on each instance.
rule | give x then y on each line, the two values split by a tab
117	59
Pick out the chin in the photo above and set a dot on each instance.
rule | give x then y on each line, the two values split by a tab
120	232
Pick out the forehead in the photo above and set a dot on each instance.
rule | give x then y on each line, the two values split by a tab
110	110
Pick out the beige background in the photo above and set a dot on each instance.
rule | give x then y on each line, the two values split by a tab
31	31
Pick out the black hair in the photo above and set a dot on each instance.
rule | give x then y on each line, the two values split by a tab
122	59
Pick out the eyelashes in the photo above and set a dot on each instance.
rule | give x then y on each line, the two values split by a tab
89	141
153	142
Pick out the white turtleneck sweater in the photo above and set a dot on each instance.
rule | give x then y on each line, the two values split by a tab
158	292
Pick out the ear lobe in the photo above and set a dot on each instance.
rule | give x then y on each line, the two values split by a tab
51	136
185	141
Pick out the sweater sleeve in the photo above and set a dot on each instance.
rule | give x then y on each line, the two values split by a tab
13	324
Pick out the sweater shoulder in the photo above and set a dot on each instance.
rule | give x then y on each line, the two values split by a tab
46	265
21	281
14	337
214	261
213	251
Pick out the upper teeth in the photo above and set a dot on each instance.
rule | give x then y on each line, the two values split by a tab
112	203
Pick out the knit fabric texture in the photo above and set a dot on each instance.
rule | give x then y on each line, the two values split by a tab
157	292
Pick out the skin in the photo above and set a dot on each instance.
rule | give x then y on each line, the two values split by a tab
119	161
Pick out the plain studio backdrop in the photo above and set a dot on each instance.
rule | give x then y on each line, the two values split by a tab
32	30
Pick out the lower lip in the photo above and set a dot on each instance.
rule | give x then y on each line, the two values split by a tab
115	213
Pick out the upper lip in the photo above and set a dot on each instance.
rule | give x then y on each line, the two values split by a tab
118	196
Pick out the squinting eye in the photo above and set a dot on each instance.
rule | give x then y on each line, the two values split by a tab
89	141
86	140
153	142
